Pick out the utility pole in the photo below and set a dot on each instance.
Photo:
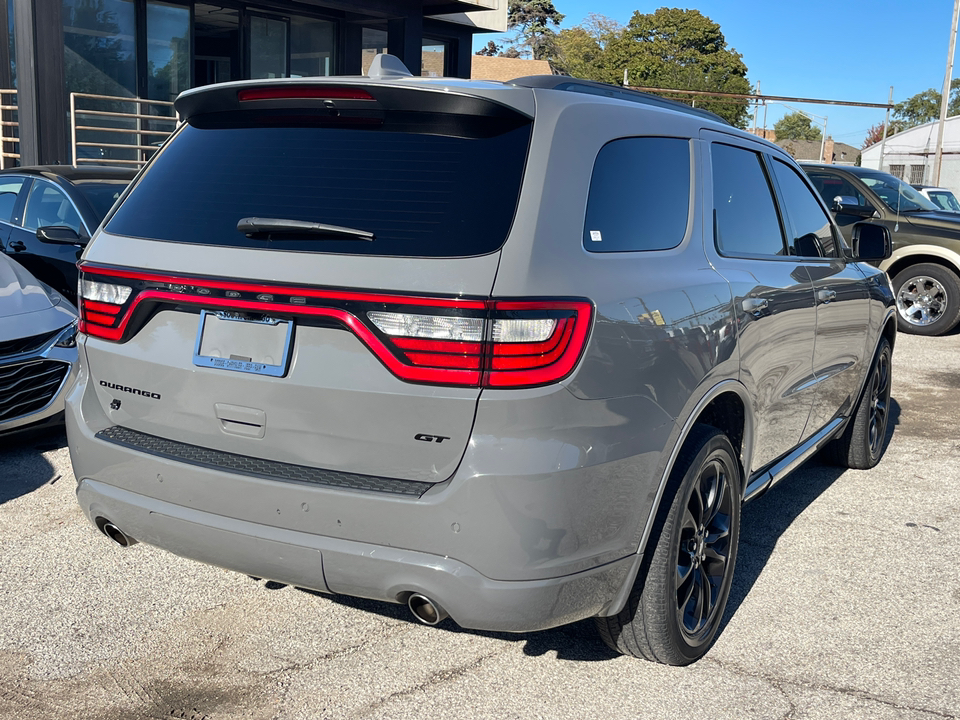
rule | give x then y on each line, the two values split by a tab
756	108
945	99
823	141
886	122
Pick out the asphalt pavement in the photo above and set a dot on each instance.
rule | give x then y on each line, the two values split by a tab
846	604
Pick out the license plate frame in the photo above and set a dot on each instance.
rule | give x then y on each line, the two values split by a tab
243	364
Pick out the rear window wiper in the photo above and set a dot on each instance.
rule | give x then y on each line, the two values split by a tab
253	226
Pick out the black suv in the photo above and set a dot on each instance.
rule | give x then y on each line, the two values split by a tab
925	265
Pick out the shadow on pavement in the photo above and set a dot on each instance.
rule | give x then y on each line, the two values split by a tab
765	519
25	468
578	641
763	522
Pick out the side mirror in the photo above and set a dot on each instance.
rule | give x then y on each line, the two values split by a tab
59	235
871	242
849	205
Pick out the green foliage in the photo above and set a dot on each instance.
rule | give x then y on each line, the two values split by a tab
670	48
796	126
579	50
531	19
925	107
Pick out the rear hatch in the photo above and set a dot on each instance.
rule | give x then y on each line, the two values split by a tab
302	274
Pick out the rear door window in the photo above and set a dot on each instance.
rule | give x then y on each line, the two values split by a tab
745	217
639	195
424	185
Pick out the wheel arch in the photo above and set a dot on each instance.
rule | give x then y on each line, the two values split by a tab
725	406
916	254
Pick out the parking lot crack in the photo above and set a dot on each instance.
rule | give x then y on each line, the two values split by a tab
435	679
781	684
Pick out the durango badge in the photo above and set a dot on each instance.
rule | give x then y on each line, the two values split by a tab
134	391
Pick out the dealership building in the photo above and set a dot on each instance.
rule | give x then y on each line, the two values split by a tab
93	80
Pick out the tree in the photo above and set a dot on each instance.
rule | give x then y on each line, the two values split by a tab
531	19
678	49
491	49
925	107
875	135
796	126
579	50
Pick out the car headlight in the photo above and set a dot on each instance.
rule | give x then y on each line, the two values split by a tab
68	337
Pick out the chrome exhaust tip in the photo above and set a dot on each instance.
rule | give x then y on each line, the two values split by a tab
116	534
425	610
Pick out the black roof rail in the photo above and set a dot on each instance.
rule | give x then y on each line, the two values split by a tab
564	82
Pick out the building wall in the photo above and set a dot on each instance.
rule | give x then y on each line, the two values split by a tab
916	148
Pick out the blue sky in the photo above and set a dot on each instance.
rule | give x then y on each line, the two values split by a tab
837	50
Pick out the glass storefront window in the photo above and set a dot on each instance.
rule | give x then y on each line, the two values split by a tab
99	47
11	45
433	59
216	32
373	41
268	47
168	50
311	47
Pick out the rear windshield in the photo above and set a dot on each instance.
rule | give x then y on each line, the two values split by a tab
425	186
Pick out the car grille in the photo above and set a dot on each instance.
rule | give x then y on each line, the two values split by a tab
30	386
258	467
27	344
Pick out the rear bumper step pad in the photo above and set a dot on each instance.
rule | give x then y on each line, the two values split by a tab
257	467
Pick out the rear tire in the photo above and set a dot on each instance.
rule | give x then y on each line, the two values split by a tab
928	299
675	608
864	440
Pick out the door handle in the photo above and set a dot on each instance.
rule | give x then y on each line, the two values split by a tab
754	305
826	296
17	246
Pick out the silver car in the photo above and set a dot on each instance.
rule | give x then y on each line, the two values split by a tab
38	350
514	354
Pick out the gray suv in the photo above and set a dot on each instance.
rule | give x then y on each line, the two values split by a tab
514	354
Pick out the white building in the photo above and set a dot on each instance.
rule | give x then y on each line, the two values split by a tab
910	155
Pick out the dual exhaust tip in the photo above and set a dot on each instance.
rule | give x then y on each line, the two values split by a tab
423	608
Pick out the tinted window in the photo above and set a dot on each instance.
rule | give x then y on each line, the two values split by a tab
811	234
744	215
101	194
833	186
945	199
48	206
639	195
440	187
9	187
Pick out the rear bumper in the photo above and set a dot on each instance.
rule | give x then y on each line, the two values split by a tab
358	569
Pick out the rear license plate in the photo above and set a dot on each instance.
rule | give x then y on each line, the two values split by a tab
229	341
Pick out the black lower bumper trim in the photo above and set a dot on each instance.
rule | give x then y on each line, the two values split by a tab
258	467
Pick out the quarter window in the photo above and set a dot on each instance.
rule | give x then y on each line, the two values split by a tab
811	233
745	217
47	206
9	189
639	196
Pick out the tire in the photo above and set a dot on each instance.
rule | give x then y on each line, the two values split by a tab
928	299
675	608
864	441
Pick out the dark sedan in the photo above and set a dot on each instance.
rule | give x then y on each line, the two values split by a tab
49	212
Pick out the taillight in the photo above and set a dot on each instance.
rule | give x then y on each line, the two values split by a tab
438	341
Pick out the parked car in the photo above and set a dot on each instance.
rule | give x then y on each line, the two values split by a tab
48	213
925	265
472	347
38	350
944	199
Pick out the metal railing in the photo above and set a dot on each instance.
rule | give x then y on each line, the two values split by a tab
9	129
102	133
